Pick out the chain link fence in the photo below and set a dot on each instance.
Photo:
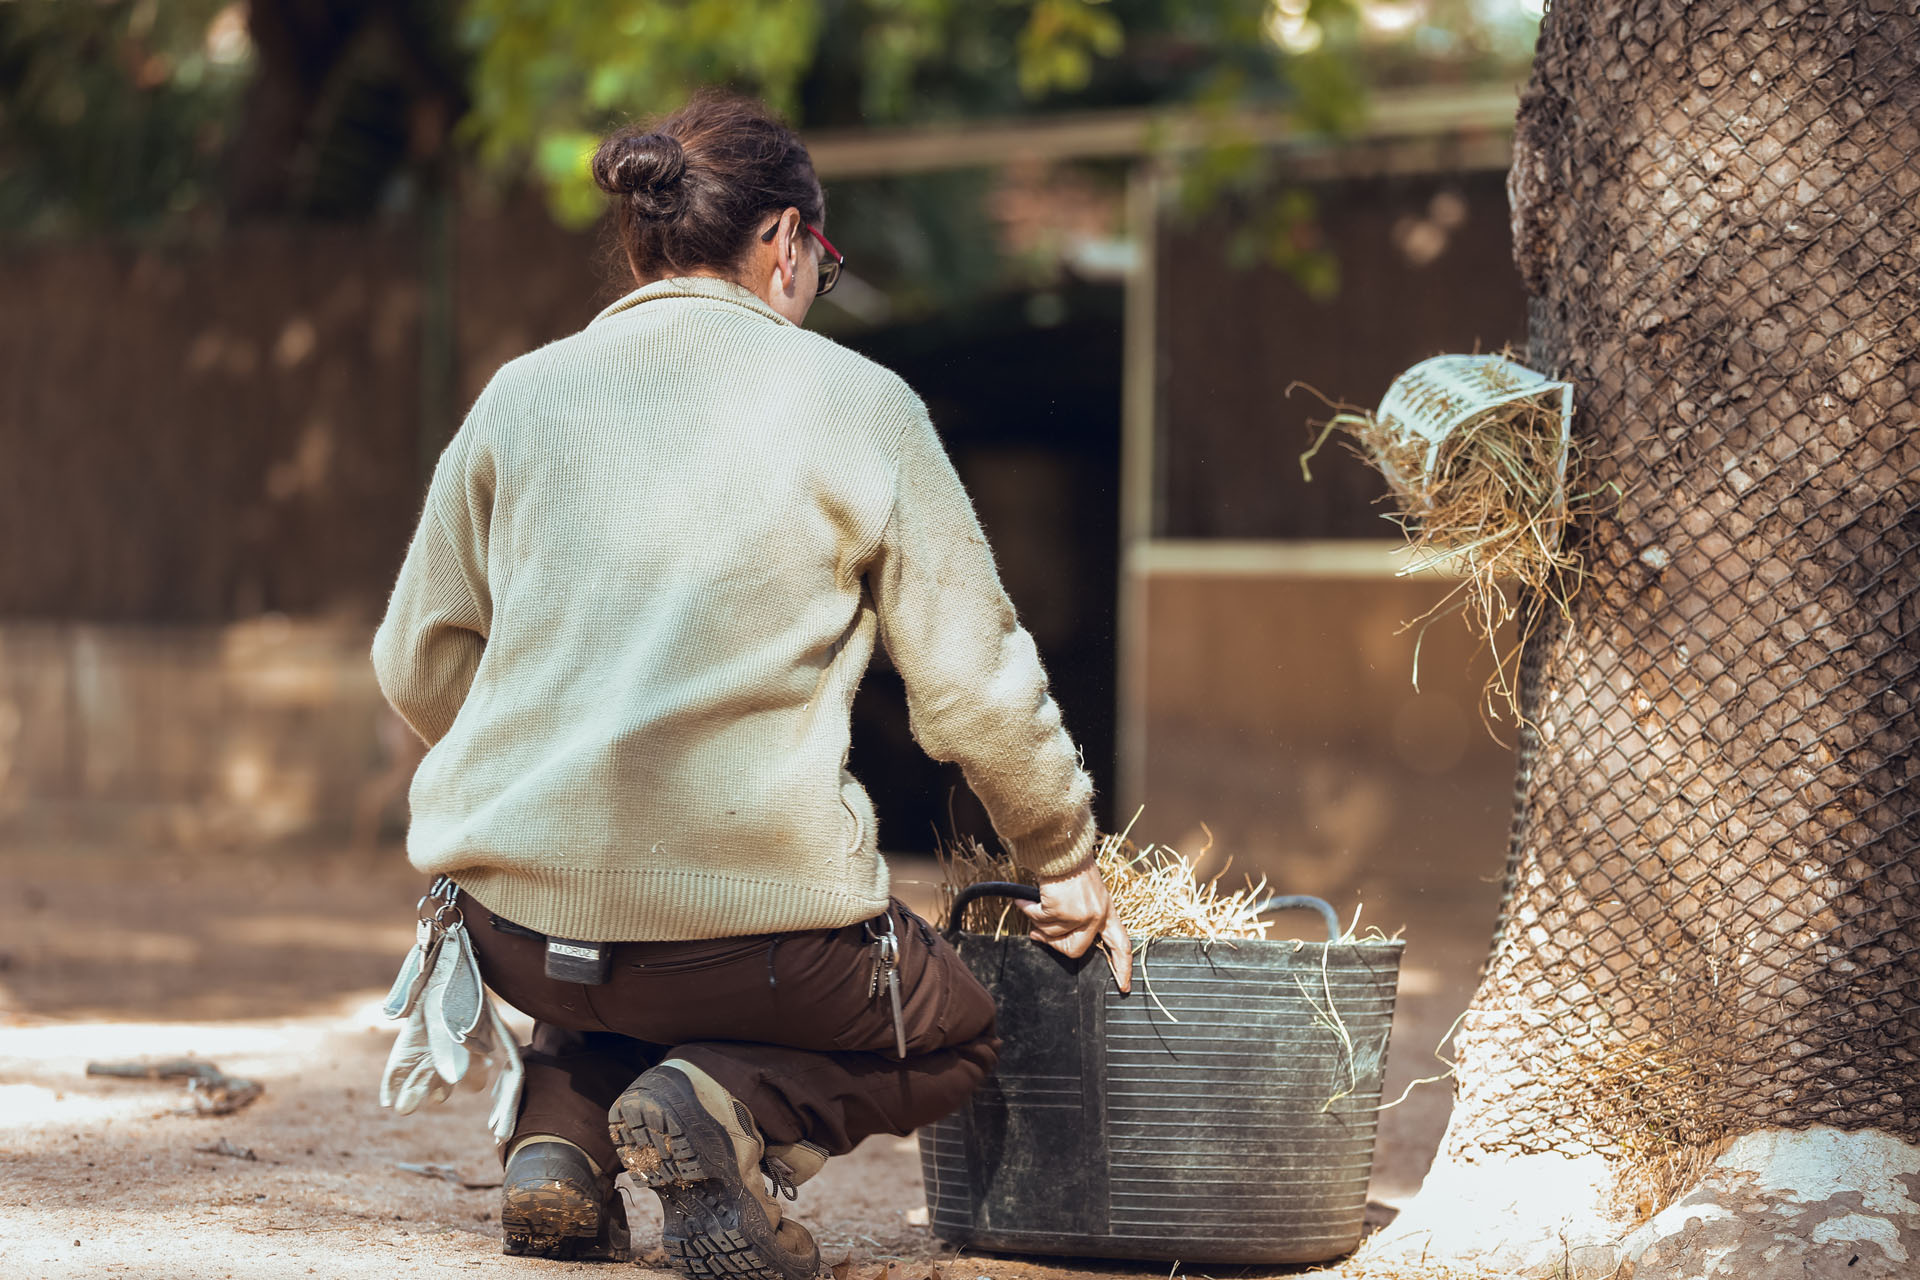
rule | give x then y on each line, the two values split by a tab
1712	921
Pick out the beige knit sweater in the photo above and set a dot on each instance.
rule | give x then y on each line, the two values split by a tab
650	573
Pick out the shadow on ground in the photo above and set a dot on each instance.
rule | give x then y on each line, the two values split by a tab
272	964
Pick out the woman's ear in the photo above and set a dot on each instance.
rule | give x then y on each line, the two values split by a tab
788	243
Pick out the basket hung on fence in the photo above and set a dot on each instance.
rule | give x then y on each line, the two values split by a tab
1447	398
1223	1112
1478	455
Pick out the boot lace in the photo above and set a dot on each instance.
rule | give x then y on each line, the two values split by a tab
780	1174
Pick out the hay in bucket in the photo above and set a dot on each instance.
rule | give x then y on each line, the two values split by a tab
1157	892
1483	475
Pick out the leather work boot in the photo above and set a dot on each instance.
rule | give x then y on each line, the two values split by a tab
553	1205
791	1164
697	1146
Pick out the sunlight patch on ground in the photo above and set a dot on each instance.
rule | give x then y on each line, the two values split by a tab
28	1108
237	1239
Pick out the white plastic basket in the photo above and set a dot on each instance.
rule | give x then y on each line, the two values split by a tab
1437	397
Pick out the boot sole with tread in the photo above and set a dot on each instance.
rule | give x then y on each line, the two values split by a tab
558	1220
712	1227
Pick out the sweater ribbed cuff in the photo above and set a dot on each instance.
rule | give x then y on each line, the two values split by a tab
1064	854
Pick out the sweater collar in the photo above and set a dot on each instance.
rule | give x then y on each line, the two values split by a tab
695	287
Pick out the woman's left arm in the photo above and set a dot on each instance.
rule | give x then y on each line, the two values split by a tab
429	644
976	692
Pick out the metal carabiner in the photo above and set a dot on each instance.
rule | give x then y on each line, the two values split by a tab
448	893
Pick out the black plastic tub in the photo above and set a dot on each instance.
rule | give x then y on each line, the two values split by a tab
1223	1112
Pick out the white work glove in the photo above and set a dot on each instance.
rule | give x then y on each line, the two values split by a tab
451	1034
410	1078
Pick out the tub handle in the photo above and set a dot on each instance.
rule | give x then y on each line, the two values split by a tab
1291	900
986	889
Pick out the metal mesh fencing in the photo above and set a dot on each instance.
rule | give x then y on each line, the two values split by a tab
1713	913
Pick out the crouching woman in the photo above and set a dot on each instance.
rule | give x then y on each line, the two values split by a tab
653	566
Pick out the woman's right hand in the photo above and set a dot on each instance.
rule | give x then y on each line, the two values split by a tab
1075	910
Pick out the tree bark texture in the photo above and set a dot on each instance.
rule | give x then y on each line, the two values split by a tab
1712	922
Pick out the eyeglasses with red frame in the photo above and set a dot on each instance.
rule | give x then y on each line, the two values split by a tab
829	265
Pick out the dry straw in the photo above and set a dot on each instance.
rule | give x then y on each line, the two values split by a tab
1157	892
1359	1268
1489	502
1647	1095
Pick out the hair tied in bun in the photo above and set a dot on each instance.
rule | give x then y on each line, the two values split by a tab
691	192
648	168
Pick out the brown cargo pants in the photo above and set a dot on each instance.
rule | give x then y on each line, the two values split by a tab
783	1021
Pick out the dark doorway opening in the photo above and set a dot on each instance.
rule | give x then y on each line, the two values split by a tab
1025	391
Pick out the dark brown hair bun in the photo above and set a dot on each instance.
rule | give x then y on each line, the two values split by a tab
647	167
692	191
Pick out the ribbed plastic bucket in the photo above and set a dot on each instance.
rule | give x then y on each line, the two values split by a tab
1223	1112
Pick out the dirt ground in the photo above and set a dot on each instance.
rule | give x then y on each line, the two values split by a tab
272	966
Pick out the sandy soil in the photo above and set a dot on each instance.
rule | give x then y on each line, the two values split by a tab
272	967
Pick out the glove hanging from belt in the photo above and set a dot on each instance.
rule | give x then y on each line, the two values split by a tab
450	1035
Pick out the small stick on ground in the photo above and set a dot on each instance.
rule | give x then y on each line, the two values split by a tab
214	1092
447	1173
227	1147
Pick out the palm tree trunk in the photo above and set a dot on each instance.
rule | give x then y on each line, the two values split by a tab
1713	917
1714	923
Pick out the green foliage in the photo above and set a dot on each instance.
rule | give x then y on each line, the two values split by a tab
121	112
1278	224
1060	42
549	75
113	112
899	37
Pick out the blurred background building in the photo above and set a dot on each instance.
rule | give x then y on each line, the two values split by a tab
256	260
259	258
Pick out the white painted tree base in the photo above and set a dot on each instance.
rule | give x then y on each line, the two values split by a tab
1530	1215
1815	1204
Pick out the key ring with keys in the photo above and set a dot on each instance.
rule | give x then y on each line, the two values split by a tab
886	973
